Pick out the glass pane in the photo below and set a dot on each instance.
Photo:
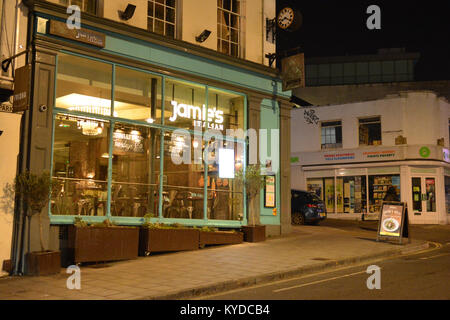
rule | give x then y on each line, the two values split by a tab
170	30
416	194
150	24
83	85
378	186
184	104
159	11
79	167
150	9
137	95
135	171
234	35
182	183
329	194
339	194
170	15
225	197
170	3
226	110
159	27
430	188
234	50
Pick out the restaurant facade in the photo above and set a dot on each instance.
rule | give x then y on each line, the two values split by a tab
112	104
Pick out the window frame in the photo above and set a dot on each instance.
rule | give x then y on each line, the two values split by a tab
335	144
165	22
371	122
239	30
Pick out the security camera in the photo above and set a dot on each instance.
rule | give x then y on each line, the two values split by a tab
128	13
1	132
203	36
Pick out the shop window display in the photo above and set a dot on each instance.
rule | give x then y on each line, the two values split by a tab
135	171
447	194
378	186
79	170
354	194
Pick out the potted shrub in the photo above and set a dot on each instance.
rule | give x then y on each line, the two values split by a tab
158	237
101	242
34	189
212	236
253	182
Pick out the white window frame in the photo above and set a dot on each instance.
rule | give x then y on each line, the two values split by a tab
227	38
164	20
335	145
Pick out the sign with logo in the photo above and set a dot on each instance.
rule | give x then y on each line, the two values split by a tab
424	152
393	222
198	115
293	71
22	86
87	36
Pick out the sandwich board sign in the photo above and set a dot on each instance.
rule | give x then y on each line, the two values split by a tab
393	222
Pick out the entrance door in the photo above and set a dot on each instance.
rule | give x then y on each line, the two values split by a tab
423	194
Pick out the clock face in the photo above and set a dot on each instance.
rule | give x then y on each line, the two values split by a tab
285	17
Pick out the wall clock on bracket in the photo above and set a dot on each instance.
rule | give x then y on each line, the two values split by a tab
289	19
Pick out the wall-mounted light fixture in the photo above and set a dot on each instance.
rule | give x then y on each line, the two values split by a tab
203	36
128	13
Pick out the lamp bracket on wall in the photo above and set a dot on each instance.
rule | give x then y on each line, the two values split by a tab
7	62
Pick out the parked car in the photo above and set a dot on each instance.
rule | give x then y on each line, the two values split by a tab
306	207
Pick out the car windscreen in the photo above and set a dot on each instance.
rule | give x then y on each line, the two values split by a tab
313	198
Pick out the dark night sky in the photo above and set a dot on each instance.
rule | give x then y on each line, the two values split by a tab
332	28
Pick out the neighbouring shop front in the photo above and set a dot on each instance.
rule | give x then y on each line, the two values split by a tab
109	110
354	183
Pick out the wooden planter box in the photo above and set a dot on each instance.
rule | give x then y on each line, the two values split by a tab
99	244
254	233
161	240
220	237
43	263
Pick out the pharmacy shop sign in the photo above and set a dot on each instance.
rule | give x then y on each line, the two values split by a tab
203	118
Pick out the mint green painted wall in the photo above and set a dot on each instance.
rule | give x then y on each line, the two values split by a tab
270	119
180	61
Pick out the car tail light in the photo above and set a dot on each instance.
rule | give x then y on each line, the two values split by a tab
312	205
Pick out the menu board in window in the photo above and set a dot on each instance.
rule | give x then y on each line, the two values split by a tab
269	192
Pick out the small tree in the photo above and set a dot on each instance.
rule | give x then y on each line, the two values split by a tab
35	190
253	182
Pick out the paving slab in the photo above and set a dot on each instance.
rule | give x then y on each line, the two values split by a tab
182	275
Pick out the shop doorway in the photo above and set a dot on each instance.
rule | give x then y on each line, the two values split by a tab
424	194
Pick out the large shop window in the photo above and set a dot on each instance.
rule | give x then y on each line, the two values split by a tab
135	171
119	154
83	85
324	189
331	134
378	186
370	131
137	95
79	168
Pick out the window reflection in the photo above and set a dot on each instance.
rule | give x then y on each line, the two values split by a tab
135	171
83	85
137	95
79	170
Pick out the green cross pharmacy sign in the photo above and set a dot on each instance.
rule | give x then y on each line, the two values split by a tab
424	152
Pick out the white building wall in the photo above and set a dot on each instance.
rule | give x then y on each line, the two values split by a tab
420	116
13	40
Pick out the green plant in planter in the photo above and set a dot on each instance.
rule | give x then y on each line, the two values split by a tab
253	182
34	190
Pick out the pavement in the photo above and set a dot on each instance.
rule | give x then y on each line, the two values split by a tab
189	274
